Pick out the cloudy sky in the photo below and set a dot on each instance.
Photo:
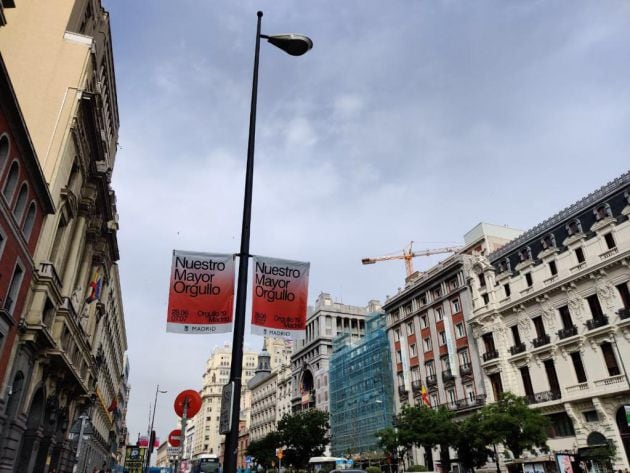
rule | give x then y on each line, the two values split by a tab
409	120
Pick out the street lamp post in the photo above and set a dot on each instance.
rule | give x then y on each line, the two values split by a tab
295	45
152	440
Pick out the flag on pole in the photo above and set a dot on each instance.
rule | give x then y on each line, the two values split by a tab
425	397
94	287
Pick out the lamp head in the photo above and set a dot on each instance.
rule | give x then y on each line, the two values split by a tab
293	44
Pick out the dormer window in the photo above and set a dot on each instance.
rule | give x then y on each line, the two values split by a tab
548	241
574	227
602	211
504	265
525	254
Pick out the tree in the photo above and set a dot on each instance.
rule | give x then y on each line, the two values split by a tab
426	427
511	422
264	449
390	442
305	434
472	442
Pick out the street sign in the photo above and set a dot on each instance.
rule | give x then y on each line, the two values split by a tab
194	403
227	398
173	451
175	438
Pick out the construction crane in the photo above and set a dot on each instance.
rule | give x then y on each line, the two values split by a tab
408	254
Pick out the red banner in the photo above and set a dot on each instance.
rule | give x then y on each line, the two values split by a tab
201	295
280	297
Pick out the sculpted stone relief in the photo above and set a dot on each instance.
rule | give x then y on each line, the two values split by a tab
576	305
605	292
549	315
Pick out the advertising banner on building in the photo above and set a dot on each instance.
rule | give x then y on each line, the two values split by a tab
134	458
280	297
450	343
201	293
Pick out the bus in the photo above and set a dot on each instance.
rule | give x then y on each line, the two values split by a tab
326	464
205	463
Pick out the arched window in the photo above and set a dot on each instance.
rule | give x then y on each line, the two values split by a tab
12	179
4	150
29	221
20	203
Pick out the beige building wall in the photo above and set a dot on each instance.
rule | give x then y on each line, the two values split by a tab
206	437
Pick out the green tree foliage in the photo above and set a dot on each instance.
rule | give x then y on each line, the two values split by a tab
305	435
264	449
472	442
426	427
511	422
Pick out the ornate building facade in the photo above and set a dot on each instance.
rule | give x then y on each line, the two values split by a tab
551	315
309	362
67	365
429	337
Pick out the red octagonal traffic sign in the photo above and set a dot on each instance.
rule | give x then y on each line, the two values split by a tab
174	438
194	403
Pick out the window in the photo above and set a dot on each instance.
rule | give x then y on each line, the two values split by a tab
579	254
423	299
548	242
578	366
602	212
4	150
574	227
553	268
497	385
410	329
504	265
442	336
594	305
29	221
516	335
427	344
451	396
437	293
439	313
20	203
488	342
529	280
565	316
610	359
446	363
456	306
552	377
464	357
590	416
624	294
525	254
397	334
506	288
415	374
610	241
398	356
527	381
486	299
412	349
14	288
460	331
482	280
423	321
560	425
429	367
539	325
12	179
452	284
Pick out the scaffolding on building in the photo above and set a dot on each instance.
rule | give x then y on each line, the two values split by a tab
361	387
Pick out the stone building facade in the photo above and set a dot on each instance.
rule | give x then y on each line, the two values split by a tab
68	359
551	315
309	362
430	340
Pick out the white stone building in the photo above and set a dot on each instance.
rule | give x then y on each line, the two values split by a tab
552	320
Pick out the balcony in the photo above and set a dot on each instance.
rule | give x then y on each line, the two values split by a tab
516	349
465	369
416	387
544	396
597	322
47	272
447	375
431	380
490	355
541	341
402	392
567	332
624	313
